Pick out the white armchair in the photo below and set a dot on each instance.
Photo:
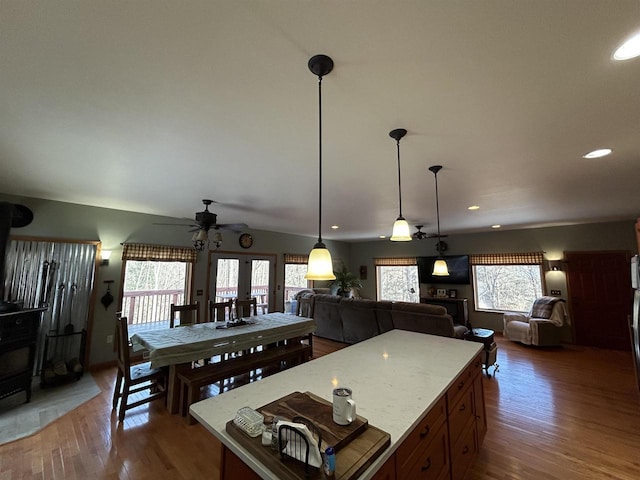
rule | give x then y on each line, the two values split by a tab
541	326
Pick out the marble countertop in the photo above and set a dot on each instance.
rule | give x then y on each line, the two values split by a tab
395	377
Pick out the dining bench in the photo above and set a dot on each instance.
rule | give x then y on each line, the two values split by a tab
193	379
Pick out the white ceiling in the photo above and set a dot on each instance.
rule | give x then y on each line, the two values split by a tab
151	106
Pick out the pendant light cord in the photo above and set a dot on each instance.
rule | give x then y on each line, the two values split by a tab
399	182
438	214
319	159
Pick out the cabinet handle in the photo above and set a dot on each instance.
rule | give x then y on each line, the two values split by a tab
427	465
425	432
460	385
463	407
465	449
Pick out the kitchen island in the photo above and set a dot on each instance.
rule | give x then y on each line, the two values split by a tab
424	390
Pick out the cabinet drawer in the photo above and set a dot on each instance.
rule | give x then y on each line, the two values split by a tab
461	413
429	464
463	381
463	451
479	409
422	434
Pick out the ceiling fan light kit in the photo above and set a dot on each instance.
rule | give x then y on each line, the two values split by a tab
401	232
440	268
203	222
320	265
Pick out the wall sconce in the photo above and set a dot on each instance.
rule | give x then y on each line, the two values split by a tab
105	255
555	265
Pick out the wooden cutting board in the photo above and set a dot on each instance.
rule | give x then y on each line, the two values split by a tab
360	445
320	412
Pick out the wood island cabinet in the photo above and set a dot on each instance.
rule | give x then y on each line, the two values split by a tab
435	438
447	440
442	446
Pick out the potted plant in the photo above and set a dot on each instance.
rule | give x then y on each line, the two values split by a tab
345	281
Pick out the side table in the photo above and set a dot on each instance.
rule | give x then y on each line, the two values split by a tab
485	336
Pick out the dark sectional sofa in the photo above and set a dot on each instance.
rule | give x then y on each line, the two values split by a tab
352	320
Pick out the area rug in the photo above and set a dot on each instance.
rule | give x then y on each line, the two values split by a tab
19	419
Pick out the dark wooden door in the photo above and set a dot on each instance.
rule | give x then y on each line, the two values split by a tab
600	299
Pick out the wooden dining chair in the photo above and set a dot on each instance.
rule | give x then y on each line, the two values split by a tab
185	314
220	311
246	308
134	378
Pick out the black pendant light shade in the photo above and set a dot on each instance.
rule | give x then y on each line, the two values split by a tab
320	265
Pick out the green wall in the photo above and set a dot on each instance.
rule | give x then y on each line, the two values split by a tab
112	227
553	241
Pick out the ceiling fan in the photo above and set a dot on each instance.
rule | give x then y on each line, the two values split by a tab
206	220
420	235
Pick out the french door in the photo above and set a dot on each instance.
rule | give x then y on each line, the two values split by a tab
243	276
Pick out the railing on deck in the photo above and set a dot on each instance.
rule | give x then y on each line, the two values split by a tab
150	306
290	292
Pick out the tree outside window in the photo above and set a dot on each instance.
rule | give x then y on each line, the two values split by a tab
506	287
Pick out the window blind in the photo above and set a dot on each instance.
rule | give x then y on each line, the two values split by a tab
158	253
394	262
527	258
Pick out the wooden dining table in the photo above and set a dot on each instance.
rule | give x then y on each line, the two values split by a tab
178	347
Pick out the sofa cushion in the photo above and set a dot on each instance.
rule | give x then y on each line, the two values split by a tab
383	315
358	319
325	307
422	318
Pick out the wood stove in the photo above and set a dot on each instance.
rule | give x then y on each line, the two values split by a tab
18	336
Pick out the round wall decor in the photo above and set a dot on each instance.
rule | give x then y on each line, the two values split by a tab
246	240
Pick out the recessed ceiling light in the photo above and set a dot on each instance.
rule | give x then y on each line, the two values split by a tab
629	49
335	227
474	207
496	226
601	152
382	236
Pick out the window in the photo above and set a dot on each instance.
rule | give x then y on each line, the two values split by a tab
295	268
397	279
506	282
154	277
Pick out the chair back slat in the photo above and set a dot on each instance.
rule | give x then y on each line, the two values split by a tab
122	344
246	308
184	314
220	311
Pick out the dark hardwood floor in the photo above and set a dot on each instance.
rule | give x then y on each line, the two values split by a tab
562	413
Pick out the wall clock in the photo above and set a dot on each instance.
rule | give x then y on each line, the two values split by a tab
246	240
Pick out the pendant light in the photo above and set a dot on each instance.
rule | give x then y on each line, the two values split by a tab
400	227
440	265
320	265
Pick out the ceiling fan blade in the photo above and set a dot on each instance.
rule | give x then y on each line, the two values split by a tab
234	227
177	224
435	235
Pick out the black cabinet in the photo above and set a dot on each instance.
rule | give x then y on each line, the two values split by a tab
18	336
456	307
